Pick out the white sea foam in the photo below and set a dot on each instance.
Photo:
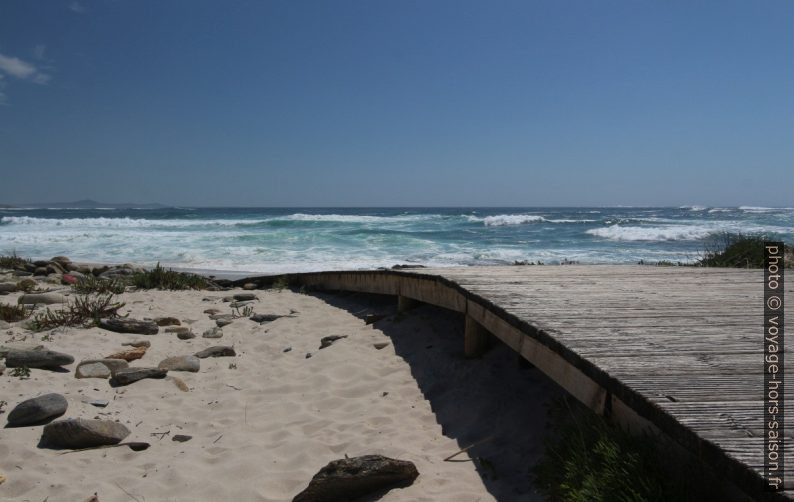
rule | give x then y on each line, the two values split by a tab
666	233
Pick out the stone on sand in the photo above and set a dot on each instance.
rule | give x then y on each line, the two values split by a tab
37	410
129	355
180	363
213	333
41	299
352	478
216	351
82	433
132	375
37	358
127	325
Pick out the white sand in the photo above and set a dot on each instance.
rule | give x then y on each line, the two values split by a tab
264	422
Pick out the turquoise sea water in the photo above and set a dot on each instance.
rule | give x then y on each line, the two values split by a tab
304	239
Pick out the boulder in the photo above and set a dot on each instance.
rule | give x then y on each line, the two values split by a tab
131	375
7	287
82	433
126	325
41	299
180	363
352	478
63	261
37	410
216	351
213	333
37	358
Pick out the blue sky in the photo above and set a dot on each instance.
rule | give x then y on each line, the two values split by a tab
397	103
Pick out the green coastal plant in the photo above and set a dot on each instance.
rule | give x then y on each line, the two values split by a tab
13	261
162	278
84	310
22	372
586	459
738	251
13	313
90	284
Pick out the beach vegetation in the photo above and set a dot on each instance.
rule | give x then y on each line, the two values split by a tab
22	372
13	313
587	459
162	278
82	311
738	251
27	285
280	284
13	261
89	284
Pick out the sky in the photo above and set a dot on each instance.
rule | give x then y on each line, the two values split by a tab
397	103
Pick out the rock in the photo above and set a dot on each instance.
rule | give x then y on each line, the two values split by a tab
215	317
261	318
37	410
308	355
373	318
244	297
40	271
7	347
288	349
2	368
237	305
223	322
186	336
99	403
63	261
7	287
380	345
126	325
68	279
177	329
131	375
129	355
181	363
137	343
82	433
37	358
41	299
167	321
180	384
216	351
352	478
212	311
92	370
213	333
181	438
249	286
327	341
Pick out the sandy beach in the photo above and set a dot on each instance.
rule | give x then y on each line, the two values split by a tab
264	422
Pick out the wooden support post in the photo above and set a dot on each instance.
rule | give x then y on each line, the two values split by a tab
476	338
404	303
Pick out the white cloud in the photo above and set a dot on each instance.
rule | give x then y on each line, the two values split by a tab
16	67
77	7
22	70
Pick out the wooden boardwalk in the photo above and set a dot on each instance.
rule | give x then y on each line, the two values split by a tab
671	349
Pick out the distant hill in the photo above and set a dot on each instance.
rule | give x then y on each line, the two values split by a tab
89	204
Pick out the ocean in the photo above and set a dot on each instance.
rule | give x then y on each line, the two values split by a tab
275	240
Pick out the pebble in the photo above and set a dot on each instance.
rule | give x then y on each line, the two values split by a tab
223	322
129	355
327	341
216	351
380	345
137	343
181	438
186	336
167	321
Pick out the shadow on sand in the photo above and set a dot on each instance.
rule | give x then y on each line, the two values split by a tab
494	402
